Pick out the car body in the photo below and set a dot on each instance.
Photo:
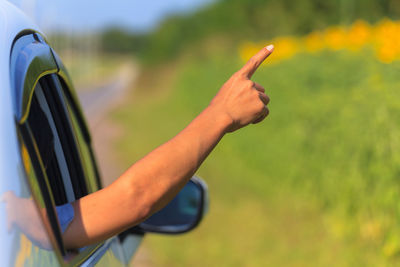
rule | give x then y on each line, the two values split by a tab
46	160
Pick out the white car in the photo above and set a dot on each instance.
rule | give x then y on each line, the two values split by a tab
46	160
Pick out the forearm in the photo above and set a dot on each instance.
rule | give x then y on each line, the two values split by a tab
148	185
169	167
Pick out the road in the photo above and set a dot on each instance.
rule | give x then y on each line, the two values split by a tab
96	102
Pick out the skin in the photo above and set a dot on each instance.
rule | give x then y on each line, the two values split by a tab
152	182
23	213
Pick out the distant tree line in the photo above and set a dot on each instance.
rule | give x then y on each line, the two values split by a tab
244	19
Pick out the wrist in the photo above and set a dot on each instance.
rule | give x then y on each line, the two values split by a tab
219	118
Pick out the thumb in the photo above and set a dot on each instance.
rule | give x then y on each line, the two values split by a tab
252	65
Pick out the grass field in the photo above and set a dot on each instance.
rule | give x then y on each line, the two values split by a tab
316	184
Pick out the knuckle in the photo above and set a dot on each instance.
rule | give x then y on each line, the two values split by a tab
255	61
249	84
257	94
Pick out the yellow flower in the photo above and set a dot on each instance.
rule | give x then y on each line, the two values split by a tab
359	35
247	50
314	42
387	41
285	47
386	53
383	37
335	38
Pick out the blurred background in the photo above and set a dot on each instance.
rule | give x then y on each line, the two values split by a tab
317	183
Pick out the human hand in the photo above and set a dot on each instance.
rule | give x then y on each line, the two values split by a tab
241	100
23	214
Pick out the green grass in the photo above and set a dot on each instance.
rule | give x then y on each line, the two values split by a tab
316	184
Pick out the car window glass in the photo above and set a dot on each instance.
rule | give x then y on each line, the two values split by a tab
57	167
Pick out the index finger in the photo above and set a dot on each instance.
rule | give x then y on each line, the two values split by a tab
251	66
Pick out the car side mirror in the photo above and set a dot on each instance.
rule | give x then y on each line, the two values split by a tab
183	213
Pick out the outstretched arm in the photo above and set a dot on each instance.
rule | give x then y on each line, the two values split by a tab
149	184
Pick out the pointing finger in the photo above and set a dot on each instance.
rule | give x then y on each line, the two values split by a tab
251	66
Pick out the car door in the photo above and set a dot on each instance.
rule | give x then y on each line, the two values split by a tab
55	144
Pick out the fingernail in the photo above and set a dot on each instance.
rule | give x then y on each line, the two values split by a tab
270	47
